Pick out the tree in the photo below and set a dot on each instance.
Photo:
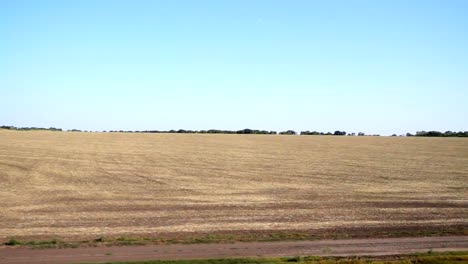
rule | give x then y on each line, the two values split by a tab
339	133
310	133
448	134
288	132
434	134
245	131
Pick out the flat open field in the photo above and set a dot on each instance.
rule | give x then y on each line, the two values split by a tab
67	185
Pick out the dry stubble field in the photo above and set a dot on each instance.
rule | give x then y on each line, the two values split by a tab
67	185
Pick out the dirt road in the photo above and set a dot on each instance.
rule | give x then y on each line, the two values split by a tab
387	246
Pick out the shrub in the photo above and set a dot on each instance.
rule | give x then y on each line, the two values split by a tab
13	242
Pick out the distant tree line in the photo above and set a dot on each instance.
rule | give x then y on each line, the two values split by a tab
336	133
30	128
182	131
288	132
439	134
254	131
210	131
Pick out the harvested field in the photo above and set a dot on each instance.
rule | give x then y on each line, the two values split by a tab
67	185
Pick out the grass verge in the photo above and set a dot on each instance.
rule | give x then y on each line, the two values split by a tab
207	238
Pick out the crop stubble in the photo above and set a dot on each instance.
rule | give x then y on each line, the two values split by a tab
65	184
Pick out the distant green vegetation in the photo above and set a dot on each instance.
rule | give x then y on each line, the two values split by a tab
54	243
253	131
439	134
30	128
426	258
336	133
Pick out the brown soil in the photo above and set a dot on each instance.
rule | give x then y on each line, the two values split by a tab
166	188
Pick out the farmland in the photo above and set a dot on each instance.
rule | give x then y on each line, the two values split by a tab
74	185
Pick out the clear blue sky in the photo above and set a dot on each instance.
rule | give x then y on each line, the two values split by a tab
373	66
